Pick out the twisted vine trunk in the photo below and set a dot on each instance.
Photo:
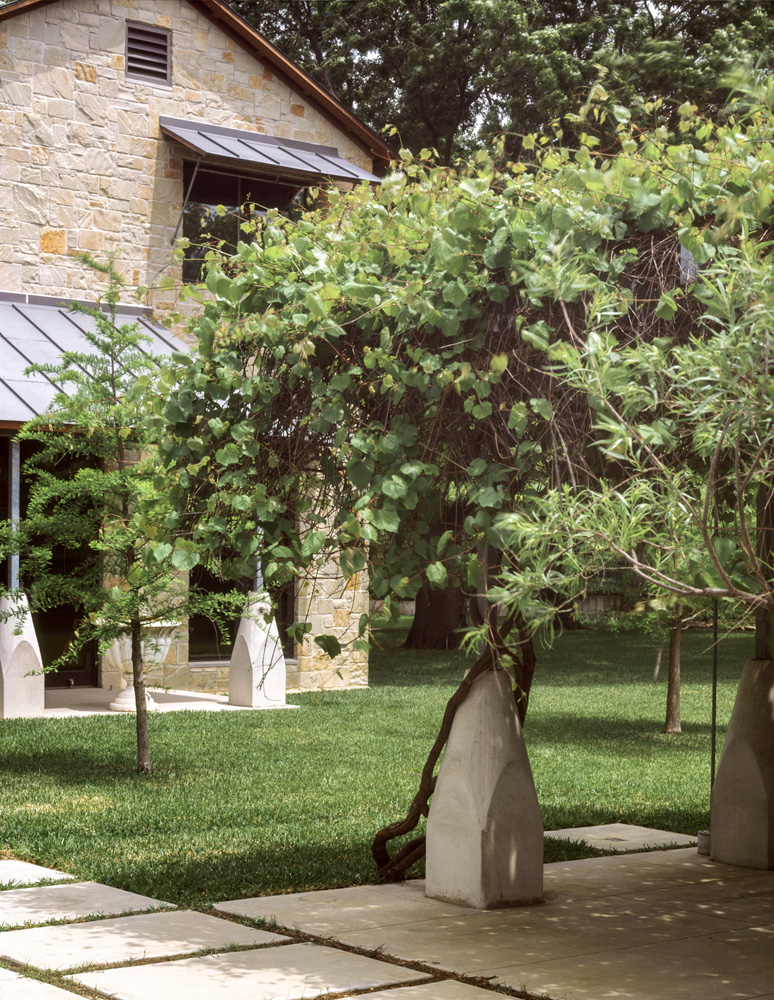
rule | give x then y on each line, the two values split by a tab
393	867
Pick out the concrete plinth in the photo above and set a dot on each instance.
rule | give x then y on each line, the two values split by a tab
742	814
21	679
257	673
127	701
484	831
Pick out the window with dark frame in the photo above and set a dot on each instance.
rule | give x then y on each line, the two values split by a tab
148	53
218	205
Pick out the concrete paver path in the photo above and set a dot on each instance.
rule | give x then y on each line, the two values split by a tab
20	988
24	873
292	972
69	902
669	925
126	939
601	932
623	837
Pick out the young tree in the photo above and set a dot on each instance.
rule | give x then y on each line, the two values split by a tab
97	488
664	411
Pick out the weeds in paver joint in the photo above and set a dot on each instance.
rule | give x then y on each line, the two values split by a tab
35	884
86	919
226	949
263	803
52	978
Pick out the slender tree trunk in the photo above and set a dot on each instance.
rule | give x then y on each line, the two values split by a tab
143	745
659	654
672	724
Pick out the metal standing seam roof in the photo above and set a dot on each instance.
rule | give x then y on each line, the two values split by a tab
264	153
37	329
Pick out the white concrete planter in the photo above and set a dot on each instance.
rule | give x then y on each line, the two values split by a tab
742	811
257	671
157	639
484	830
127	702
22	694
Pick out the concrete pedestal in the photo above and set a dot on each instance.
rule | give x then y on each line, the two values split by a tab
127	701
742	816
257	672
484	831
22	694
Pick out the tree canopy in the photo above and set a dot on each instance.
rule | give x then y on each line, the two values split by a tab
392	355
452	74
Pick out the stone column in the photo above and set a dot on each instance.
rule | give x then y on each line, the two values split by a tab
742	812
484	831
22	694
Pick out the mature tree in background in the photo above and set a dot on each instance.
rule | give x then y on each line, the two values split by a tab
452	74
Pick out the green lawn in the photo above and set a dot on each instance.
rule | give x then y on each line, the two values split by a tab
249	803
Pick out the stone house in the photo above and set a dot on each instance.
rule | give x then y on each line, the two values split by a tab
122	124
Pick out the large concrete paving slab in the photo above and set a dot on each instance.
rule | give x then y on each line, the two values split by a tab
288	972
749	900
577	946
69	902
125	939
21	988
595	877
471	942
329	910
731	965
25	873
622	837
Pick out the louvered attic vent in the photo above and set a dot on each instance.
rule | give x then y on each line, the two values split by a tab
148	53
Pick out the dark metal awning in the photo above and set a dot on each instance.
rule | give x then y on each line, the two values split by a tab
38	329
265	154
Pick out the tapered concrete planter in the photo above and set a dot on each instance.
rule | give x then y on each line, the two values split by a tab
484	831
742	815
257	671
22	694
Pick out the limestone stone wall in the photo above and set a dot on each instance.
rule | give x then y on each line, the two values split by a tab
332	606
84	165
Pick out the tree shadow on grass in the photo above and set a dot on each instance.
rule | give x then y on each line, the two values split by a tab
201	878
632	737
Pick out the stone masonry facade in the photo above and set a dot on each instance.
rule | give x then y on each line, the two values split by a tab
85	167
